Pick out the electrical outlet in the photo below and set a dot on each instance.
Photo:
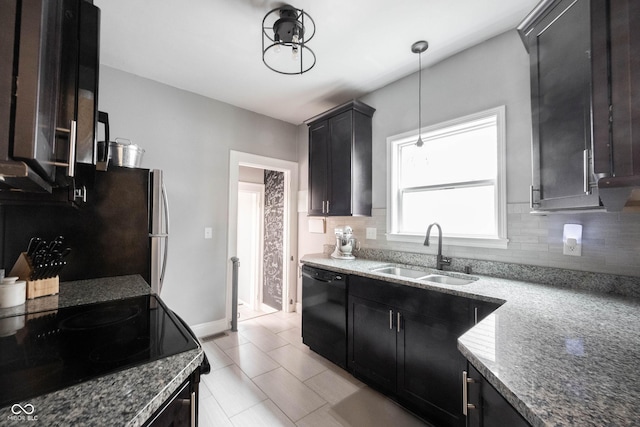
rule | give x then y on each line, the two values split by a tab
208	233
572	247
371	233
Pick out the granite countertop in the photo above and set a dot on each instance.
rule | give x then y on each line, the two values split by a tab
124	398
560	356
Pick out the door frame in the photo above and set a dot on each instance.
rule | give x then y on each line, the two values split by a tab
290	232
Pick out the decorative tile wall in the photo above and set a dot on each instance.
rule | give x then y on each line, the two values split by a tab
611	241
273	238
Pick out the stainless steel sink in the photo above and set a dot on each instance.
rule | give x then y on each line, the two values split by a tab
401	271
447	280
411	273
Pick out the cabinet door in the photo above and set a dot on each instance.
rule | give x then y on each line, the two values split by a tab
79	79
491	409
372	342
561	77
430	366
318	167
35	111
341	138
625	86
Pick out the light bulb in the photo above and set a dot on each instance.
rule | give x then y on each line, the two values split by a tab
276	48
294	53
295	39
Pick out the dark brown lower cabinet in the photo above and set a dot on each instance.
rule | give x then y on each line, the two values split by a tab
429	366
372	343
486	407
403	341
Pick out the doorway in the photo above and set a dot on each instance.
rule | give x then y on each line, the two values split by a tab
260	242
250	248
287	176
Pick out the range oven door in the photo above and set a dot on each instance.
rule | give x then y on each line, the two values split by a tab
181	409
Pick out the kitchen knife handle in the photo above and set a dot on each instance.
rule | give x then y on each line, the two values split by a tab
33	245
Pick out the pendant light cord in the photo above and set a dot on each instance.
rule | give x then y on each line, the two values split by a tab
419	47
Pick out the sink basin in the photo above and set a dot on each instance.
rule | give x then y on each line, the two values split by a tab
411	273
401	271
446	280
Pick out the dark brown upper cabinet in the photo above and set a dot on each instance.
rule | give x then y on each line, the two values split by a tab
48	92
584	99
340	161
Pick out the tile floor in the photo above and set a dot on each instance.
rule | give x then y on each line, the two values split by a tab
245	312
263	375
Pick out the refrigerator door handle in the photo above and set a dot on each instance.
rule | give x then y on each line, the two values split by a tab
159	233
165	205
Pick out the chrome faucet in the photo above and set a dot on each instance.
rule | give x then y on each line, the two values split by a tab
440	260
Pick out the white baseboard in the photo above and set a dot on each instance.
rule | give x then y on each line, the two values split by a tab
210	328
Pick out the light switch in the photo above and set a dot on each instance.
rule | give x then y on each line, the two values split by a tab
208	233
371	233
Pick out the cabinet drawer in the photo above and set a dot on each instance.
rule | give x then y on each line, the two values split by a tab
410	299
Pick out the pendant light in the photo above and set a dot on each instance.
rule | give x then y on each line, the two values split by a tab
419	47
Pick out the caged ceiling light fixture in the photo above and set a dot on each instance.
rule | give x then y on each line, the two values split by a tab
291	28
419	47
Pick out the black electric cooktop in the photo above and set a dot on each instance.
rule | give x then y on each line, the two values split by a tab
49	350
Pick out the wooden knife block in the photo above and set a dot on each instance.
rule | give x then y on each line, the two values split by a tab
35	288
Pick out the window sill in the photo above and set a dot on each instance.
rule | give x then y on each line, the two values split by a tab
472	242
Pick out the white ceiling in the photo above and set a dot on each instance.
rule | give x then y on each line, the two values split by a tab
213	47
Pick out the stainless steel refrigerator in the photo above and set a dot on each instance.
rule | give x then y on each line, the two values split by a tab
121	229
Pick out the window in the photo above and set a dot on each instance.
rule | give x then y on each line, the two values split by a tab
457	179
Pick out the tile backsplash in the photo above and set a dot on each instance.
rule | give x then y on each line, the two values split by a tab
610	241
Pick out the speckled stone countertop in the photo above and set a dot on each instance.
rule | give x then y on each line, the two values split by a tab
125	398
83	292
561	357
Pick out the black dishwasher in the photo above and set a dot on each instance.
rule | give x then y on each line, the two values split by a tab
324	313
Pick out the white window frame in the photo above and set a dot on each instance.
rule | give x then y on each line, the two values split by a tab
393	197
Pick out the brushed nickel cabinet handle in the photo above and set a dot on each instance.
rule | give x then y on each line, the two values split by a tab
71	169
390	319
398	324
585	160
465	394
